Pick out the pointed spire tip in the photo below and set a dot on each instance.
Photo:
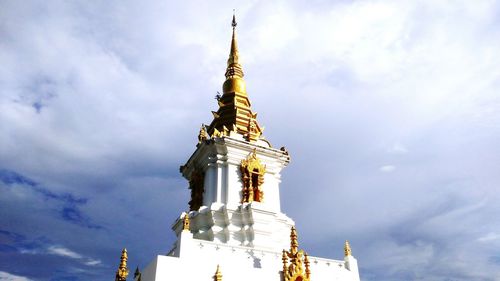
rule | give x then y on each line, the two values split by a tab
234	23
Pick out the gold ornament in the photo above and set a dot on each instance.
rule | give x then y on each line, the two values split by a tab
295	261
218	274
185	222
252	175
122	272
347	249
202	136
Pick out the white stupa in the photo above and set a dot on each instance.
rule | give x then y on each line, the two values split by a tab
235	229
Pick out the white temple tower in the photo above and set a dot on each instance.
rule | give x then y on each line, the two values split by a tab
235	229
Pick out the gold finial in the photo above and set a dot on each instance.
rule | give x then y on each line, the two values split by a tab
295	262
202	136
122	272
185	222
294	244
218	274
306	263
234	69
347	249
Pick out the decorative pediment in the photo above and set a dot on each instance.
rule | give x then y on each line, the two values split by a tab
252	176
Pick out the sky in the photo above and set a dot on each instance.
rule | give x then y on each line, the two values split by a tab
390	111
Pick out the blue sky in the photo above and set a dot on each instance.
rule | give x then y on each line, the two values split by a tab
390	111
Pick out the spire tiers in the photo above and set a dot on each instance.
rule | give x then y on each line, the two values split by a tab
218	274
122	272
234	114
347	249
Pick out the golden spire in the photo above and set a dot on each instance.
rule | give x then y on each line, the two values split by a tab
234	113
347	249
295	262
218	274
122	272
233	65
294	243
185	222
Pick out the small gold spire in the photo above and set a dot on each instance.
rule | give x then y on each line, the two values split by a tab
295	262
294	244
347	249
218	274
186	223
306	263
202	136
233	63
122	272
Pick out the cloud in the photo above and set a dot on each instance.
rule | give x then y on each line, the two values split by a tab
64	252
489	237
5	276
387	168
100	103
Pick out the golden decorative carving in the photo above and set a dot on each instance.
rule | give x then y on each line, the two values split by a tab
295	261
185	222
218	274
347	249
216	133
252	176
202	136
234	106
122	272
196	184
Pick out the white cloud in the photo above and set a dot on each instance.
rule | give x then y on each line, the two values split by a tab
387	168
92	262
64	252
122	92
492	236
398	148
5	276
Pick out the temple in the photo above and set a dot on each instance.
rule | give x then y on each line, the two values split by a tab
235	229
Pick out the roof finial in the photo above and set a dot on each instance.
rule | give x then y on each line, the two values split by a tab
234	69
347	249
294	244
234	23
122	272
218	274
186	223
